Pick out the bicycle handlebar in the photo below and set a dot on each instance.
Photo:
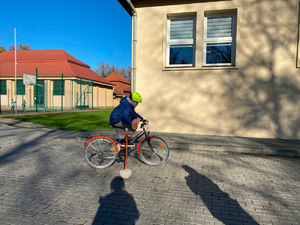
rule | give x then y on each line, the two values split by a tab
144	123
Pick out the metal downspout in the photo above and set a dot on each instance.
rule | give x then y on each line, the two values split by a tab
134	42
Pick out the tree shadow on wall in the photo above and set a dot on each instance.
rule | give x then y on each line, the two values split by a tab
218	202
265	90
117	207
258	97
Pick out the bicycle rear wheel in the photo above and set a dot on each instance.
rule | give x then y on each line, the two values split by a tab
100	153
153	151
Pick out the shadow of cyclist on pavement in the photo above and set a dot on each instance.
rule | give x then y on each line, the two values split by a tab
117	207
219	203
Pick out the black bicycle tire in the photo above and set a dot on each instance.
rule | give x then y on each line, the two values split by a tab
163	144
110	150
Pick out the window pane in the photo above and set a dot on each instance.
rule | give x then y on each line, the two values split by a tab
58	87
181	54
218	53
182	29
20	87
220	26
2	87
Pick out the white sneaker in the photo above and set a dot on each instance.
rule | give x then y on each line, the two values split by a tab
119	146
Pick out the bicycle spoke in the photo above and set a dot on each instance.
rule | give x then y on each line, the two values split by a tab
100	153
94	148
154	151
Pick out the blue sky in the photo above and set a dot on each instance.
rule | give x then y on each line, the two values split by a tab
90	30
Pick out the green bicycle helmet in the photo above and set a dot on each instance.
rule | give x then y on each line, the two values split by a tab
136	97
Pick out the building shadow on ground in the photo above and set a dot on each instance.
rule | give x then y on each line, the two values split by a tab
218	202
117	207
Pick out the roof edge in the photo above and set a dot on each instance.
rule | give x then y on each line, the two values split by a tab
126	6
78	62
151	3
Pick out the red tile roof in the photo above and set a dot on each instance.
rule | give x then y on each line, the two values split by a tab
118	93
117	78
51	63
122	85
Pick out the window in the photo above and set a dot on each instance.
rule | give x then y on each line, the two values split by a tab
180	43
219	39
58	87
3	87
20	87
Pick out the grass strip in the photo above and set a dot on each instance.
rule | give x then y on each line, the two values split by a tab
73	121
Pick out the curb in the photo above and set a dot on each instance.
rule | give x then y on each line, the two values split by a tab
236	149
260	146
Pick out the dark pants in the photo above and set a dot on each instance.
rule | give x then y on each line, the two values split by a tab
122	127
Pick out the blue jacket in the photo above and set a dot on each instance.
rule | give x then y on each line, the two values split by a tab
124	112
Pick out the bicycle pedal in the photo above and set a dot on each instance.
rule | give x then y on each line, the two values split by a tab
121	158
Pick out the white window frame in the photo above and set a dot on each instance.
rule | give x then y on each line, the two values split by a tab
231	40
179	41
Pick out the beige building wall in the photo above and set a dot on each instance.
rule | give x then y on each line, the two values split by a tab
57	100
98	95
10	85
258	97
68	97
104	96
95	96
116	101
109	97
29	96
10	94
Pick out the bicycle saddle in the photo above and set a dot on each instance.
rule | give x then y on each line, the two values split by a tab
126	133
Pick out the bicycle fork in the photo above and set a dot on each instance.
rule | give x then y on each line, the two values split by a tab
146	137
152	148
150	145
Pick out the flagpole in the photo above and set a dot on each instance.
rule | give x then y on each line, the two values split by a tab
16	112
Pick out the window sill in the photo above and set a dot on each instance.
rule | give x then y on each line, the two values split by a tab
201	68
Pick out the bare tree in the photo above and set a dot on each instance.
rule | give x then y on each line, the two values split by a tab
113	69
19	47
126	72
104	70
2	49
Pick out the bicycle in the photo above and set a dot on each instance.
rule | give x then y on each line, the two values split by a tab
103	151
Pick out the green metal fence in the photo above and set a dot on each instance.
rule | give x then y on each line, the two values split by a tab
51	92
83	100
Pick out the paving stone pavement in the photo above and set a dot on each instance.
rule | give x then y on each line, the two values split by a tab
45	180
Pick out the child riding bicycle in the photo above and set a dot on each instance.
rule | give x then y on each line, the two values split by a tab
124	117
102	151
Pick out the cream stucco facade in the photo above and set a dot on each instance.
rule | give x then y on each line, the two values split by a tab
257	96
78	93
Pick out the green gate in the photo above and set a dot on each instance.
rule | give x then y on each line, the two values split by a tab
39	94
84	98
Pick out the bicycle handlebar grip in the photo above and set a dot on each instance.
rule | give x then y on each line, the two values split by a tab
135	123
144	123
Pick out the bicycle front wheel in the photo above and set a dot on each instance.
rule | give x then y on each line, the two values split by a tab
153	151
100	153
